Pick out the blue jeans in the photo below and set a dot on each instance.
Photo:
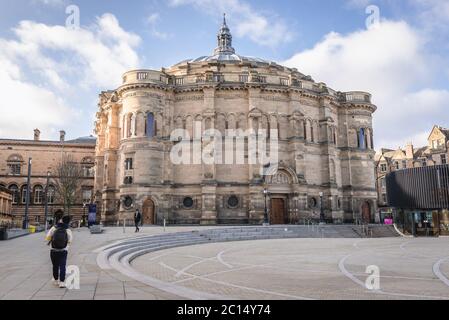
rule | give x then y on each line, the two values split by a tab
59	261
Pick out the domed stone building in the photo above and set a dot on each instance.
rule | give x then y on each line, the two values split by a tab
325	144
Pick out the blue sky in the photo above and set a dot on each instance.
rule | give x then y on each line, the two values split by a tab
52	75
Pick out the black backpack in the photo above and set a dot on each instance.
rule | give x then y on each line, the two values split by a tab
60	239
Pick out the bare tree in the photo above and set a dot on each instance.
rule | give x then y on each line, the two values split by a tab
67	181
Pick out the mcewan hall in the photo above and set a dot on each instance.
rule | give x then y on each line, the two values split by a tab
325	157
325	144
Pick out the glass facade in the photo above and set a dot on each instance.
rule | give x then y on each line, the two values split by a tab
423	223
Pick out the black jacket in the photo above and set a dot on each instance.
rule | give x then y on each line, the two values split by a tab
137	216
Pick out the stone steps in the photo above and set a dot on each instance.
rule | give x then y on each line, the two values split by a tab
132	248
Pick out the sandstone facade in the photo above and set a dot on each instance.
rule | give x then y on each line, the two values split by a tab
325	144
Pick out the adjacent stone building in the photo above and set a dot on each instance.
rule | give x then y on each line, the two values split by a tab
435	153
325	144
6	217
14	155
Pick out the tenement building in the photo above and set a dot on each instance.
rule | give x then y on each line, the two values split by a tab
46	156
5	207
325	144
436	152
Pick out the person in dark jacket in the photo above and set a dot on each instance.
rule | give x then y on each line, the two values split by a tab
137	219
59	237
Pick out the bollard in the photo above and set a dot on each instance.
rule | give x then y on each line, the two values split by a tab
124	225
164	225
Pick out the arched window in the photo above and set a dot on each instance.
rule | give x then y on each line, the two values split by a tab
51	194
15	193
312	135
305	130
150	125
128	125
38	194
361	139
24	193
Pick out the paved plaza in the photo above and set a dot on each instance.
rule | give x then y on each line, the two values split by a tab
264	269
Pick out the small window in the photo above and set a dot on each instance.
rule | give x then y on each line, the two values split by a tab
262	79
142	75
243	78
51	194
383	167
87	195
396	165
233	201
14	169
38	195
15	193
129	164
313	203
24	194
128	180
187	202
285	82
404	164
128	202
443	159
179	81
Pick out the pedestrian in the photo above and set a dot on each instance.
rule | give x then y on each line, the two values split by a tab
137	218
59	237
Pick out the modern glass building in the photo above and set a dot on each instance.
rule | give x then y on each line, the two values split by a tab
420	197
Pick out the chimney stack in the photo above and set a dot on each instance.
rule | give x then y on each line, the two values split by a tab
62	136
409	152
37	134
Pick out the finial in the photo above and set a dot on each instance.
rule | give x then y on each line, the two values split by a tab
224	18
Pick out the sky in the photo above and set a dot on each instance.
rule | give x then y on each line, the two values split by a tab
56	56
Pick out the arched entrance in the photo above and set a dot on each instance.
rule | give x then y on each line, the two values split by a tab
148	212
366	212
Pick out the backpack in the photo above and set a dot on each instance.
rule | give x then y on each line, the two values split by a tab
60	239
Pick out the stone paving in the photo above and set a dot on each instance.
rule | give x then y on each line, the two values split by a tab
25	268
264	269
307	268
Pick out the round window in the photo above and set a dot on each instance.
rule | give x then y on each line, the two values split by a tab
128	202
233	201
188	202
313	203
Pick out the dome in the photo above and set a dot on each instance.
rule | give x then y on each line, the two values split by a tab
225	53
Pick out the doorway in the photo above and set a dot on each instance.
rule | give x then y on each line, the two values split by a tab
148	212
277	213
366	212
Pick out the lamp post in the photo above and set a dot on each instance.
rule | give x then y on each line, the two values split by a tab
265	193
84	213
27	204
46	201
322	218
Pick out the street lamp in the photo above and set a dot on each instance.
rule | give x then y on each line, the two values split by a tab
322	218
84	213
27	205
265	193
46	201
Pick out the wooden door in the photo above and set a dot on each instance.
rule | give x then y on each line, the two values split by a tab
277	215
366	213
148	212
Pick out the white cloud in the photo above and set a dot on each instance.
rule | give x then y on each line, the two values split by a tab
390	62
152	21
262	28
44	65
